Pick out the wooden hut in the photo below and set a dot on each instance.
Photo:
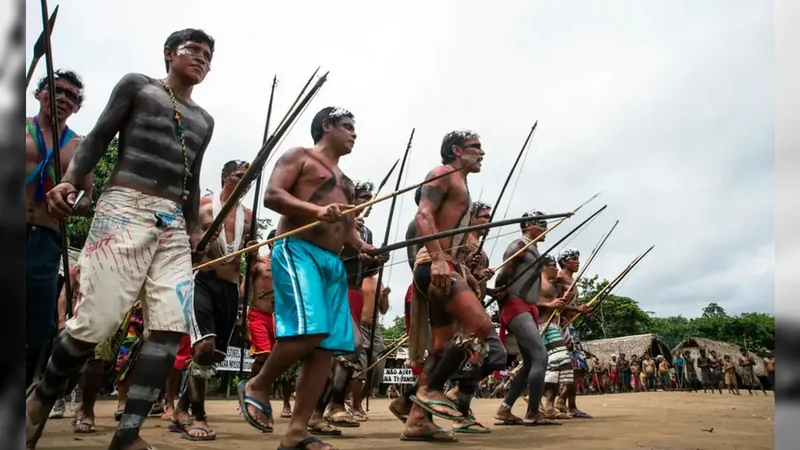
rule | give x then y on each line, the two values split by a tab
721	348
640	344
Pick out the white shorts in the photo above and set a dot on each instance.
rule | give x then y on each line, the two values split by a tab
137	247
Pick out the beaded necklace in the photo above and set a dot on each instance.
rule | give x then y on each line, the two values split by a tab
179	129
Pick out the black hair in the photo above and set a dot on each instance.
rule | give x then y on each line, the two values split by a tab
537	222
330	114
232	166
364	186
68	76
190	34
271	233
459	138
418	195
477	207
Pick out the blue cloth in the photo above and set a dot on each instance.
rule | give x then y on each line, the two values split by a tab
310	288
42	259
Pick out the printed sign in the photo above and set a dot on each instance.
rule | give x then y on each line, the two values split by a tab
398	376
231	361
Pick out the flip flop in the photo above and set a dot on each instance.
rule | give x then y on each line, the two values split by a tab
467	428
427	407
244	401
324	429
342	419
118	414
303	445
209	436
83	422
286	414
542	422
580	415
178	427
509	421
437	435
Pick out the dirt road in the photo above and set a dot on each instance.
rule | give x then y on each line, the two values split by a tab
623	421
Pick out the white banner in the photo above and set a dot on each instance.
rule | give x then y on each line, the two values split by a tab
398	376
231	361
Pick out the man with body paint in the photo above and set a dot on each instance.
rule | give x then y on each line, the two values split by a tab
444	291
529	296
43	237
147	213
470	375
216	301
312	311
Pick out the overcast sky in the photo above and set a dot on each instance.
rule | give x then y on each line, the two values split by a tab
665	108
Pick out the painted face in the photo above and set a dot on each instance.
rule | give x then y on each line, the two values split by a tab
482	218
471	155
191	60
68	98
234	178
572	264
342	135
362	197
550	269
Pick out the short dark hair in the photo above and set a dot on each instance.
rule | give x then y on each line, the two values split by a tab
457	137
271	233
232	166
331	114
537	222
68	76
477	207
418	195
189	34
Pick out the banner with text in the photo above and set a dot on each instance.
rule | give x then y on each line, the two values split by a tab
231	361
398	376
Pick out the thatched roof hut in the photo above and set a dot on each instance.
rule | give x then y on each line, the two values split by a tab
722	348
639	344
74	253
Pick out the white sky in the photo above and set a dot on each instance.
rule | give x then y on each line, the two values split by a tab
665	108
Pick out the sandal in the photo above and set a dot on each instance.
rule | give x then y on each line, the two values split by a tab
245	401
303	445
341	419
83	425
208	436
437	435
471	427
118	414
428	407
323	428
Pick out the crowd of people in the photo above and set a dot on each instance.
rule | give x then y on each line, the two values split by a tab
158	290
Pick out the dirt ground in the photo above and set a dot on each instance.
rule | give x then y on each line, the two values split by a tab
656	420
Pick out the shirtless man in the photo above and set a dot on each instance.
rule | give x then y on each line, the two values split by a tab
530	292
469	376
569	263
717	374
613	375
363	383
312	311
147	212
749	378
769	368
216	300
442	280
43	251
346	366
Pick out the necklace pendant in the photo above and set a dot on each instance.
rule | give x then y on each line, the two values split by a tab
180	128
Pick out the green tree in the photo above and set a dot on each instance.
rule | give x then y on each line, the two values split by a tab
714	310
614	316
78	226
396	330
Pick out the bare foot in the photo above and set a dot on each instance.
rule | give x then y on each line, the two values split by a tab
166	416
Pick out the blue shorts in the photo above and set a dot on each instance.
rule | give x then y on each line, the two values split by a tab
310	286
42	260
